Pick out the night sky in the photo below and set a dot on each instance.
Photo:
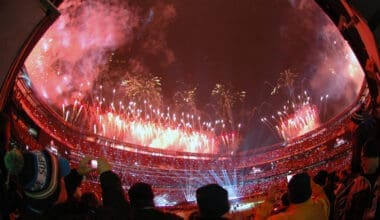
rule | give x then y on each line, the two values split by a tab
236	43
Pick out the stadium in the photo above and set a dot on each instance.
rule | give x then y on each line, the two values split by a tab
173	150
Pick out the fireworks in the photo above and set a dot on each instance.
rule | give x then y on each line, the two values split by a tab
286	80
225	99
295	119
298	116
146	125
303	120
140	86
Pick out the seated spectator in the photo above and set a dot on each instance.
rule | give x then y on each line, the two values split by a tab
142	205
212	202
363	195
41	177
307	201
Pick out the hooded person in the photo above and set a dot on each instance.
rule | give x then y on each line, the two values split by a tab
40	175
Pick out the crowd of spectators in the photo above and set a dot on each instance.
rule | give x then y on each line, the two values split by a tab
180	180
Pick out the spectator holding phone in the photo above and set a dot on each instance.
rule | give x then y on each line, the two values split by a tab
72	208
115	206
73	181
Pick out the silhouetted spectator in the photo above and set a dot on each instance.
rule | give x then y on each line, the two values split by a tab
360	128
73	181
327	181
72	184
141	197
343	181
73	207
90	202
212	202
307	201
368	127
321	178
115	206
285	199
284	203
362	200
329	189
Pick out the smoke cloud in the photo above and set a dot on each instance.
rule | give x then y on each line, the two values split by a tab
77	49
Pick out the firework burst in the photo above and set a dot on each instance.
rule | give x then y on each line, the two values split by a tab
295	119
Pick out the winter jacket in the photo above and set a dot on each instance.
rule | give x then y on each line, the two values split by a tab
317	207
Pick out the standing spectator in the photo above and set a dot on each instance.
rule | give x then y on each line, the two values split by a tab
90	202
73	208
115	206
73	181
364	193
329	189
343	181
307	201
368	127
360	127
141	197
